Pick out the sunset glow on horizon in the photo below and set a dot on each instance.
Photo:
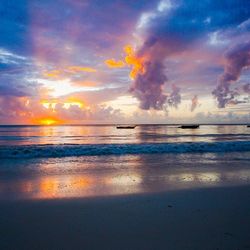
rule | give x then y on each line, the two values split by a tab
48	121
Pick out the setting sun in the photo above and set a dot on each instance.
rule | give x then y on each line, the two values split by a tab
48	121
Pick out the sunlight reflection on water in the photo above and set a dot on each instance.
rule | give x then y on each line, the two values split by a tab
104	176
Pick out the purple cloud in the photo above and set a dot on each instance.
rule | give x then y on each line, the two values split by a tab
237	58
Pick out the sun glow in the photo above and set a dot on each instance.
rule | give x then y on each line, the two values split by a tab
48	121
58	88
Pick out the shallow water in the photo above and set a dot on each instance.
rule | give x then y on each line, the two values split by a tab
54	162
91	176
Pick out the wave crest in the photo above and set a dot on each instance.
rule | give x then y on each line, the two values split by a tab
66	150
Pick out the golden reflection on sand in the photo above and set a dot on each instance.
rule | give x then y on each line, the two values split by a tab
51	187
100	184
56	187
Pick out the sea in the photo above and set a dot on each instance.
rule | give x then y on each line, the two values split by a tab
72	161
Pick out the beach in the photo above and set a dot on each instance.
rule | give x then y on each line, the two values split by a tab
215	218
89	195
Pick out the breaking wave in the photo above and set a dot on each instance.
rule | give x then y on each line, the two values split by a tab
68	150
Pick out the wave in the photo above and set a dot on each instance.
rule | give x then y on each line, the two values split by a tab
143	136
67	150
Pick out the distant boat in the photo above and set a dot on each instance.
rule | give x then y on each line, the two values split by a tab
189	126
126	127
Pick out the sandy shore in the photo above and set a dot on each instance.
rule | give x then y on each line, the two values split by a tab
210	218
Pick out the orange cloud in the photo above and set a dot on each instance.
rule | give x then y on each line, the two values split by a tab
66	103
72	101
131	59
135	62
112	63
49	104
75	101
76	69
60	73
53	73
54	111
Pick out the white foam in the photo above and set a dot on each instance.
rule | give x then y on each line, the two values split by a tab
65	150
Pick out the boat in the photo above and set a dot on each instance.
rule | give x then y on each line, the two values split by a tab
126	126
248	126
189	126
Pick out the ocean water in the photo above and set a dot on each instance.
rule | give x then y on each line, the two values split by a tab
55	162
65	141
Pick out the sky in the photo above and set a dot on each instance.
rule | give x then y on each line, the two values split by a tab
124	61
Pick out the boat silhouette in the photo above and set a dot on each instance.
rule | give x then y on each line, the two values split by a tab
126	126
189	126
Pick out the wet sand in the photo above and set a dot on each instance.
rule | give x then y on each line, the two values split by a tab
195	201
205	218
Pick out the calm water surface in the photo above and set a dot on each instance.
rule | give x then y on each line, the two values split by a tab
27	135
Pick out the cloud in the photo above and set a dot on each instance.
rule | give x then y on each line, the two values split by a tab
237	58
173	30
14	85
7	57
174	99
24	110
67	71
228	117
194	103
246	88
112	63
148	87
